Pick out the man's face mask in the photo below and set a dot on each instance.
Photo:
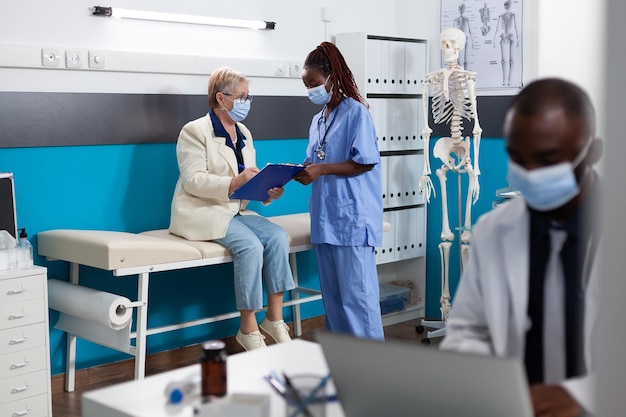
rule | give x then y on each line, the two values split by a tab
550	187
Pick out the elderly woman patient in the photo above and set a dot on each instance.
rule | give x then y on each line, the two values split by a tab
216	156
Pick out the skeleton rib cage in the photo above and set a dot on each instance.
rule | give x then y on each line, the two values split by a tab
450	99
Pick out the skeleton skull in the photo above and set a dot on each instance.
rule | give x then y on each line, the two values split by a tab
451	41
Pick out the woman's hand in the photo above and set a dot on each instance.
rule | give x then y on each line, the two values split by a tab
242	178
274	193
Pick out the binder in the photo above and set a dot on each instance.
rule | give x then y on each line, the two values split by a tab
272	175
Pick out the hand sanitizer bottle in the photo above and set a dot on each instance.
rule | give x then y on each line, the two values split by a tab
24	251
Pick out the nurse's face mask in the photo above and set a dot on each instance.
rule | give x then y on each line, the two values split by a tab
550	187
318	95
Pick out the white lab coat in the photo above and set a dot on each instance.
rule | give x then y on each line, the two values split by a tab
489	313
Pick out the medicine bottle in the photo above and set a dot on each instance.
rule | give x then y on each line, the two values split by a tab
213	369
24	251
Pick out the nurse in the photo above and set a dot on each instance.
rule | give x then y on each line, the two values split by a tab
343	166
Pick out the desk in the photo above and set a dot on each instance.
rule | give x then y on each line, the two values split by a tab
145	397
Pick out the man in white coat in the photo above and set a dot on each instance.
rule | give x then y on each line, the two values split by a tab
514	300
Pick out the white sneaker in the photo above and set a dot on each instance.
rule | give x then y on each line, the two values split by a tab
251	341
277	329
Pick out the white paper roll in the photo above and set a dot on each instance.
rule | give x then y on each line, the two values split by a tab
86	303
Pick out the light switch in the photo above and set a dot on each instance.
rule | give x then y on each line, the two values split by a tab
96	59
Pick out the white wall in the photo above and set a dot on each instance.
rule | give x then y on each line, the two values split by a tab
572	44
34	24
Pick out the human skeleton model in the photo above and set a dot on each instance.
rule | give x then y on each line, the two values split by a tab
454	98
508	30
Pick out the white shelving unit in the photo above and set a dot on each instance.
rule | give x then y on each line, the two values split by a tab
389	71
25	386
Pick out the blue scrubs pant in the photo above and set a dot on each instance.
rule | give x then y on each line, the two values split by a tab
260	255
349	284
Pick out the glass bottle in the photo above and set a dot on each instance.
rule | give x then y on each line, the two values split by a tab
24	252
213	369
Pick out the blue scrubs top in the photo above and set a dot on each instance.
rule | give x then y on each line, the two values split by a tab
346	211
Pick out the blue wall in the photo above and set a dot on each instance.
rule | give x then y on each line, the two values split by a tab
129	188
493	166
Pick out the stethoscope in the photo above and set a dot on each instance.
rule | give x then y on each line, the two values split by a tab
321	140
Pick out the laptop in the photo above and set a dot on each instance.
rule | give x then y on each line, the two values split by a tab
398	379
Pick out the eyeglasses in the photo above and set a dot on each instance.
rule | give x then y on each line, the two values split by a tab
242	98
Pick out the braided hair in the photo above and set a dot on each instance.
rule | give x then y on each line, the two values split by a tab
328	59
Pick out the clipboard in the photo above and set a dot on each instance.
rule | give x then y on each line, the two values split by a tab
272	175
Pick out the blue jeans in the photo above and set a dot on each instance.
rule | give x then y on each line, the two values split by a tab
260	256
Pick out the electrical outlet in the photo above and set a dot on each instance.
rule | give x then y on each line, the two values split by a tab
295	69
74	58
50	57
96	59
281	69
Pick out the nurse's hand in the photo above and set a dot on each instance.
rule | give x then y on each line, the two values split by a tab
553	400
310	174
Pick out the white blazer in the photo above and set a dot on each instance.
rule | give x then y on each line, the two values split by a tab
201	209
489	313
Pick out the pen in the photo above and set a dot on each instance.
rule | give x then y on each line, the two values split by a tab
296	396
278	387
302	405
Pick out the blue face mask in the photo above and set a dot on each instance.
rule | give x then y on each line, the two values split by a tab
318	95
240	110
547	188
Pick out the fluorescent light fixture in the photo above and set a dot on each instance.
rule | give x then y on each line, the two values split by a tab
182	18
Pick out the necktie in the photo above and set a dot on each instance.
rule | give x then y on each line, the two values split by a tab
554	312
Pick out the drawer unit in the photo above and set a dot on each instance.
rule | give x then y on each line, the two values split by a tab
23	362
21	289
28	407
22	338
25	386
21	314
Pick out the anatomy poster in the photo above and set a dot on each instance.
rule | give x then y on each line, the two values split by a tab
494	35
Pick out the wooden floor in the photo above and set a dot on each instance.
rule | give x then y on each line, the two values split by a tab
68	404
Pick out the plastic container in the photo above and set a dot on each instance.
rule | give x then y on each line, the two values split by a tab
393	298
178	391
24	251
